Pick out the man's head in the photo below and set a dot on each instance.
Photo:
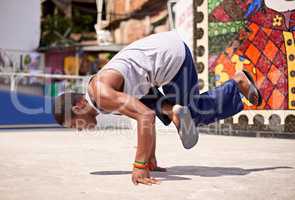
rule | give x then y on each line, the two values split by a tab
72	110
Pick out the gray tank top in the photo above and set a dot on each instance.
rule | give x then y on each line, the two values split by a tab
151	61
148	62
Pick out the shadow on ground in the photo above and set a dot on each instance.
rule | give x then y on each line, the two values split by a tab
177	172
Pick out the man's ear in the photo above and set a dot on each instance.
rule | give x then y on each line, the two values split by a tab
77	110
79	107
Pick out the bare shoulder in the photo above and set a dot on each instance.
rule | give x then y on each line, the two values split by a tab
109	77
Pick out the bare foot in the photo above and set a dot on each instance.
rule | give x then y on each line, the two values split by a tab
170	111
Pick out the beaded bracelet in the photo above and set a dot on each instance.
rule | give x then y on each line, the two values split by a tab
139	162
140	165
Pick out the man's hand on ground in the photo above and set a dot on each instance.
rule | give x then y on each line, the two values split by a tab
142	176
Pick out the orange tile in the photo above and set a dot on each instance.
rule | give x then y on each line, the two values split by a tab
270	50
267	31
253	53
274	74
276	100
262	106
260	77
228	66
254	29
229	51
221	59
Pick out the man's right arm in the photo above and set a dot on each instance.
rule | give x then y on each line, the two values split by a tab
111	100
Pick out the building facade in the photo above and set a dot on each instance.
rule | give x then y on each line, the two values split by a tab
130	20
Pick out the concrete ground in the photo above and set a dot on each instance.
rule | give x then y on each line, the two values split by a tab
69	165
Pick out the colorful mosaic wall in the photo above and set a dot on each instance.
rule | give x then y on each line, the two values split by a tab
259	36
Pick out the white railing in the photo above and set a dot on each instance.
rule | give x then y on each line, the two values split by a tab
14	76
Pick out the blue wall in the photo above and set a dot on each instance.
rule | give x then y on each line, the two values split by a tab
15	109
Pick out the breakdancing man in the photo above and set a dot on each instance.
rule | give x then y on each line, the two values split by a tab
129	83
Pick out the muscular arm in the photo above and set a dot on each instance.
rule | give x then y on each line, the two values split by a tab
111	100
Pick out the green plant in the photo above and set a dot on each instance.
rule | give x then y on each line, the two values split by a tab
56	30
83	22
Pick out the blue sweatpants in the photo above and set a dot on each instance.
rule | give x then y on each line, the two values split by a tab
219	103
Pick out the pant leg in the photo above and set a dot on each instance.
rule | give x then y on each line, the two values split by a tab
153	100
216	104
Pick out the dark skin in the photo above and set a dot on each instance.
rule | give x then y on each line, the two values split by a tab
110	97
106	89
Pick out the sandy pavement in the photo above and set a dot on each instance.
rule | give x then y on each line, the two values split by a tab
68	165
